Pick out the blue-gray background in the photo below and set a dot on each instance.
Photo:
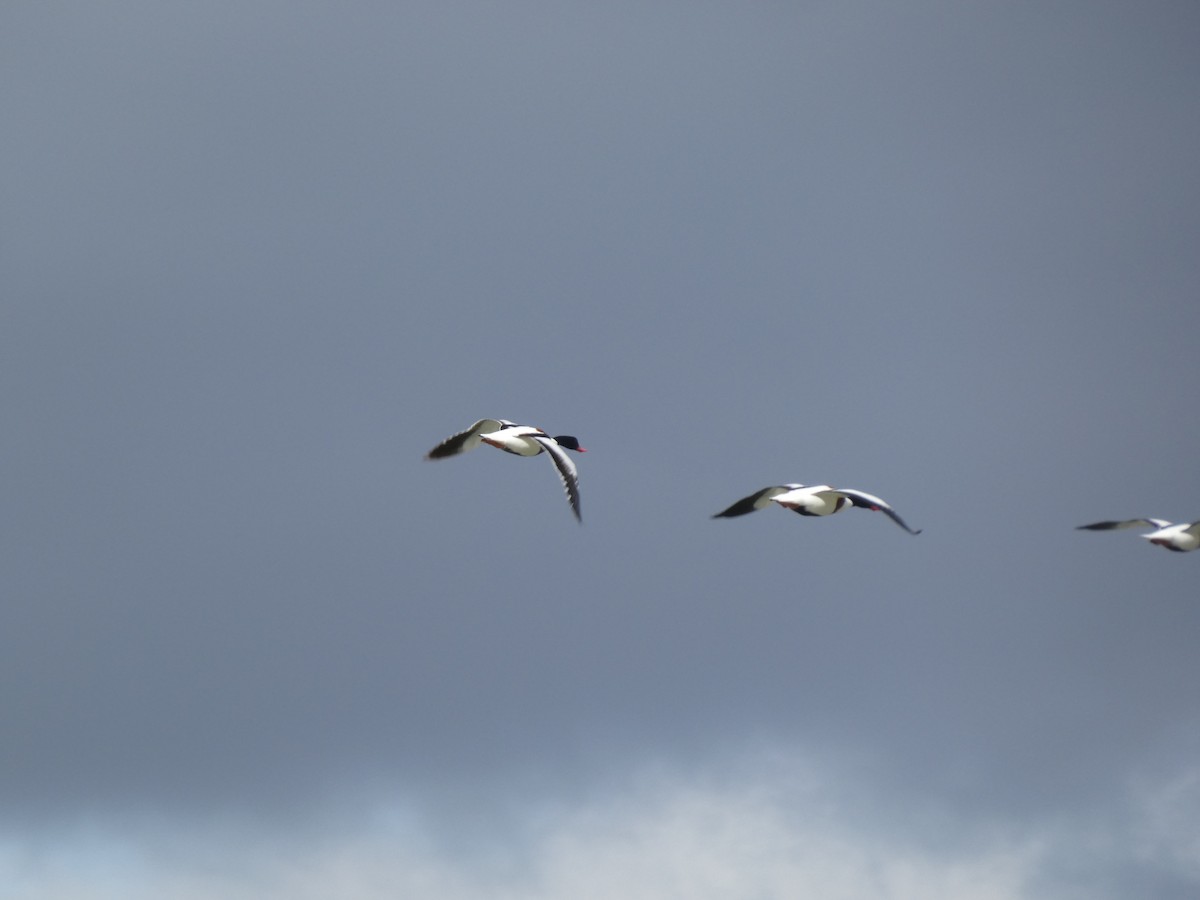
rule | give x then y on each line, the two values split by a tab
256	258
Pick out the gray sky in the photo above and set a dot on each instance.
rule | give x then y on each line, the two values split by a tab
257	258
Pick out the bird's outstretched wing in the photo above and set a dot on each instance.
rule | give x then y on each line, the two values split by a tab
566	470
466	440
1124	523
863	500
757	500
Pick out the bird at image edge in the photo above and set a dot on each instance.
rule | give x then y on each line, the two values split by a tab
1180	538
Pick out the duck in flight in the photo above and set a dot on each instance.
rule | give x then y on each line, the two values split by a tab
1181	538
812	500
522	440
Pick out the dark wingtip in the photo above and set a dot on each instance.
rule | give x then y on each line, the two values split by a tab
443	450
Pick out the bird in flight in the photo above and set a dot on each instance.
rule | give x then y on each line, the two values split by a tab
812	500
1180	538
522	440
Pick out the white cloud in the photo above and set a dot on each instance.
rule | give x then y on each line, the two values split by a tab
770	827
771	830
738	841
1168	832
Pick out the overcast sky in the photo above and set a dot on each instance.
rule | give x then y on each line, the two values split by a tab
256	258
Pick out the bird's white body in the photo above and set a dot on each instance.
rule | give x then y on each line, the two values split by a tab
1182	537
818	500
524	440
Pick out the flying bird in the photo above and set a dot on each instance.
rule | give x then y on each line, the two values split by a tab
812	500
522	440
1180	538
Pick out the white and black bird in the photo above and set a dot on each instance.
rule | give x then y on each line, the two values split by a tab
522	440
812	500
1180	538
